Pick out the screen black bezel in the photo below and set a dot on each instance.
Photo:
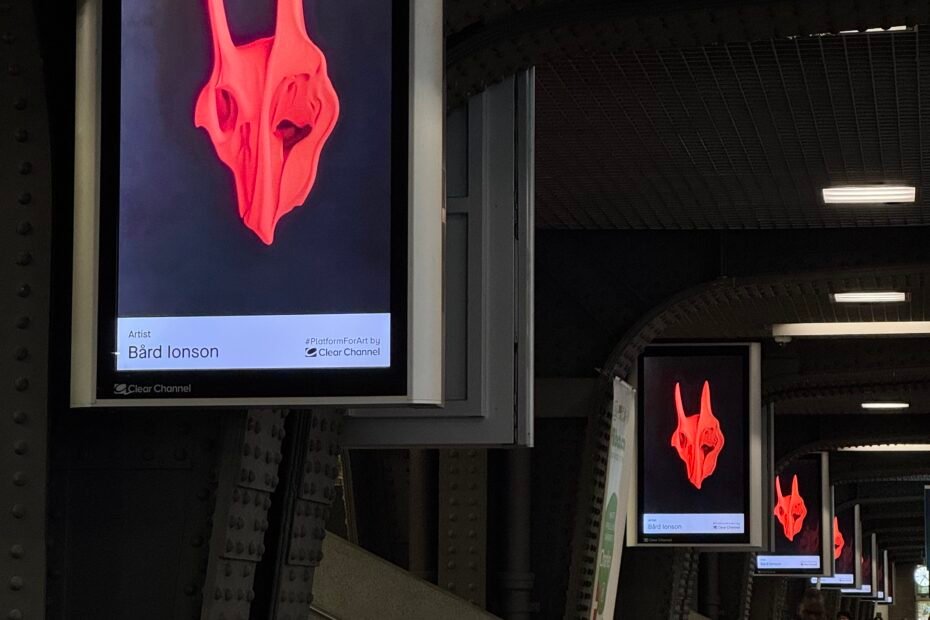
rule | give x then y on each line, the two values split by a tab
819	458
741	350
296	384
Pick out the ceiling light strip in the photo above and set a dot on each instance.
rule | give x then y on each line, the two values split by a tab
896	447
869	194
885	405
869	328
870	297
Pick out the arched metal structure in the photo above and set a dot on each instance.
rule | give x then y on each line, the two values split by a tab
734	308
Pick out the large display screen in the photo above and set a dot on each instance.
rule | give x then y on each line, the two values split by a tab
801	524
845	554
696	422
253	198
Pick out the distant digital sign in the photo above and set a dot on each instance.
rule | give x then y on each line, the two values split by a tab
256	202
881	575
890	577
867	568
927	523
847	538
802	529
699	454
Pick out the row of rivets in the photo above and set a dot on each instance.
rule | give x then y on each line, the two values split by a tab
23	290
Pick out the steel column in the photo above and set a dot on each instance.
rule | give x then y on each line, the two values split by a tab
307	504
517	582
25	256
248	475
421	511
463	515
685	564
710	585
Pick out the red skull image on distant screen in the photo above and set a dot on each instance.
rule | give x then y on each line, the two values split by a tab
268	107
790	510
838	541
698	438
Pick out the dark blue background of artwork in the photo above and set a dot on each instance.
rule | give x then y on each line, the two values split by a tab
183	249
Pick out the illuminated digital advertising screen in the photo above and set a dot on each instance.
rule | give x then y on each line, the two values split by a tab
256	212
881	576
868	569
889	580
847	536
802	526
699	446
927	523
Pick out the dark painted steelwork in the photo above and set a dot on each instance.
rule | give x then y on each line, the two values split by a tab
25	256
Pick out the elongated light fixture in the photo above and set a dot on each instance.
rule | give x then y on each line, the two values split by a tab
866	328
895	447
870	297
869	194
885	405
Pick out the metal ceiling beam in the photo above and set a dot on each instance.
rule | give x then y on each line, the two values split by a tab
882	502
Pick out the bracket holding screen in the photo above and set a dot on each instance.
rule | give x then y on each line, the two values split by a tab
489	382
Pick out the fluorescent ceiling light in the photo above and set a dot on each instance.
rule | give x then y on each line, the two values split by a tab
869	194
870	297
895	447
885	405
877	29
869	328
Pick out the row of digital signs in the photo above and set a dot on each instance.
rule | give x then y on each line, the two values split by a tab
703	454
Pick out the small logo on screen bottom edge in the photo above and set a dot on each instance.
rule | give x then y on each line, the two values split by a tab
311	352
130	389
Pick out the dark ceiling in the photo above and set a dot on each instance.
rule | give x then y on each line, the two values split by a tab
735	136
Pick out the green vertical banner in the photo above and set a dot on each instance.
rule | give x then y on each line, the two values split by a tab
613	513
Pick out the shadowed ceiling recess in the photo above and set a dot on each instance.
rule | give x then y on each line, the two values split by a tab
734	136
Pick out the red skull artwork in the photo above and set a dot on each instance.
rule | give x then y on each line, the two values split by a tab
838	541
698	438
790	510
268	107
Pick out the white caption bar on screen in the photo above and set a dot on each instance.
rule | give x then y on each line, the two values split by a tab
841	579
693	524
787	562
254	342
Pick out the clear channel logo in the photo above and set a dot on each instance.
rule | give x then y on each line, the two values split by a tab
131	389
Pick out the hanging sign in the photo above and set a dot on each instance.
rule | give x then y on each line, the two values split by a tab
699	447
261	218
